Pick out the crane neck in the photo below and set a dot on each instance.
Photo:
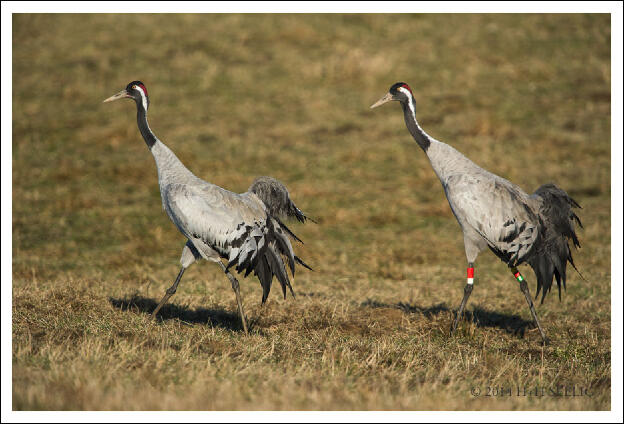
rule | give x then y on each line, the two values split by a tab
170	168
409	112
146	132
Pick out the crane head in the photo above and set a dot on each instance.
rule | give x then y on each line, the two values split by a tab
135	90
399	92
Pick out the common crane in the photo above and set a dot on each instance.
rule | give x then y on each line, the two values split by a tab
244	229
492	212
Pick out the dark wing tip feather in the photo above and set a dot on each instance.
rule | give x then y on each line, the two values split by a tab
577	219
576	269
306	217
303	264
573	202
267	251
288	231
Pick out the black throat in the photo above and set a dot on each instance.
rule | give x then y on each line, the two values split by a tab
419	135
147	134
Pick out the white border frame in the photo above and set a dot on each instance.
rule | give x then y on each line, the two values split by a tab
615	8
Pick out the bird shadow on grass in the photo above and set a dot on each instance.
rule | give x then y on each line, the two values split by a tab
214	317
511	323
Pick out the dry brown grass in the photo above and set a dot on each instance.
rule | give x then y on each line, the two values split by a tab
236	96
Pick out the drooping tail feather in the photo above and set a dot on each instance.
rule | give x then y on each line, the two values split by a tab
553	253
276	198
290	233
267	252
303	264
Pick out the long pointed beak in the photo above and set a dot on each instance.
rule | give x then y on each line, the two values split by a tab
385	99
123	94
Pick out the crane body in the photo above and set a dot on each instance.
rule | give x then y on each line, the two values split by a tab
497	214
243	229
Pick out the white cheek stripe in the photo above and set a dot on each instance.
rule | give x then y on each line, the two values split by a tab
143	97
410	103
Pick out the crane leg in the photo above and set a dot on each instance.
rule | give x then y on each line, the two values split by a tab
170	292
239	300
467	292
525	289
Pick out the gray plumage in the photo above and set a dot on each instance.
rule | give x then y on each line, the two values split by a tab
221	224
516	227
244	229
496	214
224	225
275	195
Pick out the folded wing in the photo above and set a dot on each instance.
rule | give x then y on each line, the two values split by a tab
237	227
497	211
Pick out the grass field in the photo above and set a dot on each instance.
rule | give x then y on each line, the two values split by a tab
237	96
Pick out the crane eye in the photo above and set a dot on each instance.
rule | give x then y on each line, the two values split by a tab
134	86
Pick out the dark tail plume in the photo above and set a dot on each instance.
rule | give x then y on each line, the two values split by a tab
276	198
267	252
553	253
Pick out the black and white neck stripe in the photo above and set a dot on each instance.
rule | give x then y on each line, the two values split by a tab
409	112
146	132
